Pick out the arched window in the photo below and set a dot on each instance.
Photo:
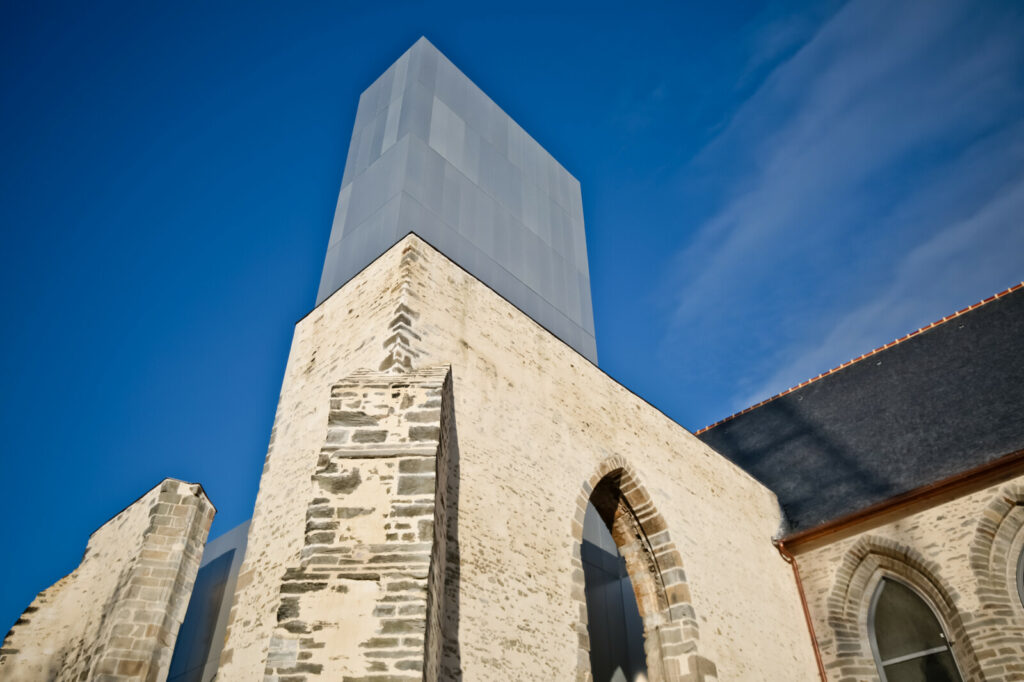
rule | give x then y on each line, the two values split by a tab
637	622
908	641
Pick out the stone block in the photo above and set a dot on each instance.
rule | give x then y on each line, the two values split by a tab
117	614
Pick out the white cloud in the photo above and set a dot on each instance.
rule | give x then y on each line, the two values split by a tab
881	181
984	252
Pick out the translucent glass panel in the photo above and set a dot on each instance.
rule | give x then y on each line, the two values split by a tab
1020	577
192	648
613	618
432	154
910	644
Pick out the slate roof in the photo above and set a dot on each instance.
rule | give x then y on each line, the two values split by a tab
945	398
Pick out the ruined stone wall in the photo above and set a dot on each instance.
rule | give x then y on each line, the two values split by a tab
534	422
329	344
116	616
363	598
960	556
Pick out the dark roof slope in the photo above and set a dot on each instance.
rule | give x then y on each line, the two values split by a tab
947	398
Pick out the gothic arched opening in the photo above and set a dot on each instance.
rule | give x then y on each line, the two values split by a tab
628	592
614	624
623	509
909	642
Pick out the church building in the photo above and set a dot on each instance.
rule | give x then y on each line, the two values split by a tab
455	490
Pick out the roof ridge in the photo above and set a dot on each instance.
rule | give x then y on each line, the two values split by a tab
849	362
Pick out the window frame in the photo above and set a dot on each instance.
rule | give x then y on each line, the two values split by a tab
873	640
1020	577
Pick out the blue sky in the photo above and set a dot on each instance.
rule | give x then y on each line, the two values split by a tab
769	189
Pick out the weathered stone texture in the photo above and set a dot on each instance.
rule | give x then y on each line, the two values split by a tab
961	556
116	616
364	600
536	422
368	331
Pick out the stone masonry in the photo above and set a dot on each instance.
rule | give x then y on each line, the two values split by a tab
365	600
116	616
960	556
537	425
671	630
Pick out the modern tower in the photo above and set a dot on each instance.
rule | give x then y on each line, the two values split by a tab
432	154
453	490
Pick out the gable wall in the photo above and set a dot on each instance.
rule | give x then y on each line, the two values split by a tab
534	422
961	556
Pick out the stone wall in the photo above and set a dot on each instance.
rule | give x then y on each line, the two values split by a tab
960	556
365	331
536	423
116	616
365	599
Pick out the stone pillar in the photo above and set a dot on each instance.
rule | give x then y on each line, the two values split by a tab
365	599
116	616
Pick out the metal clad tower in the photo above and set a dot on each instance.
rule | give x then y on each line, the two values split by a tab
432	154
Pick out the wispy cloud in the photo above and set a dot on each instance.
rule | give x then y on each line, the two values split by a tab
880	185
983	253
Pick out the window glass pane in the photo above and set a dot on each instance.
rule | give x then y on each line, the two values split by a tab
933	668
1020	577
903	622
613	617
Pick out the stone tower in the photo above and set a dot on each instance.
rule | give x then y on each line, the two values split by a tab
442	429
453	489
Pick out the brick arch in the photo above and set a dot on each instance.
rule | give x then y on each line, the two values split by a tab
655	569
997	544
869	561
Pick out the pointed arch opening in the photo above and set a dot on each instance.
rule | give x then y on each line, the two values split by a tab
908	640
997	560
876	566
630	574
997	553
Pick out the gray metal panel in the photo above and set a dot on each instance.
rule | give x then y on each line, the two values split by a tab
201	635
613	618
432	154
